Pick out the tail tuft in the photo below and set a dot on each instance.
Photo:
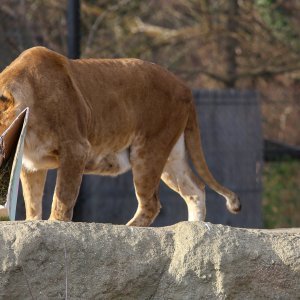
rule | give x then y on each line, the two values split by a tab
233	204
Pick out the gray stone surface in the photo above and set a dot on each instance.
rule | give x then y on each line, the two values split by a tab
44	260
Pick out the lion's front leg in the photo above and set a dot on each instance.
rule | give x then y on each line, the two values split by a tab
69	176
33	183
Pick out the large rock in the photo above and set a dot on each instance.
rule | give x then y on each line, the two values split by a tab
44	260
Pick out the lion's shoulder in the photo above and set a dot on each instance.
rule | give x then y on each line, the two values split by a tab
39	58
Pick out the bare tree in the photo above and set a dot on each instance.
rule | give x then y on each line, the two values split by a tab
209	43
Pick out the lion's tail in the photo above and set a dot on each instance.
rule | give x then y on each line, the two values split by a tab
194	147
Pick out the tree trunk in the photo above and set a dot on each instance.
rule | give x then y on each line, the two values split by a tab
230	42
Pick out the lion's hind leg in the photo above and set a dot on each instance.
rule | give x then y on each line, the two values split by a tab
148	208
147	167
179	177
146	190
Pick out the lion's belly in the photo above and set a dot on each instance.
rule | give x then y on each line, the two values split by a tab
111	164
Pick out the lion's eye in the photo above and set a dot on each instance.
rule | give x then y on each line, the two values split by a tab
3	98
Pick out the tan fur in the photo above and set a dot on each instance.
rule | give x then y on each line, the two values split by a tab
103	116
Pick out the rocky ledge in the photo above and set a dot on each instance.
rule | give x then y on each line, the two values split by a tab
52	260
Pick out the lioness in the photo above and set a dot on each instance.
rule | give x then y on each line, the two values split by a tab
105	116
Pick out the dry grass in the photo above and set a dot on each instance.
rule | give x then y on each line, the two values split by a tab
281	194
5	172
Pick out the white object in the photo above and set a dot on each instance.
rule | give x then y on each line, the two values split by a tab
12	194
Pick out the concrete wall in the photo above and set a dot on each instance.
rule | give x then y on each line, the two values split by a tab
187	261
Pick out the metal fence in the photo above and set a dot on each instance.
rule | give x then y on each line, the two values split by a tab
232	140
